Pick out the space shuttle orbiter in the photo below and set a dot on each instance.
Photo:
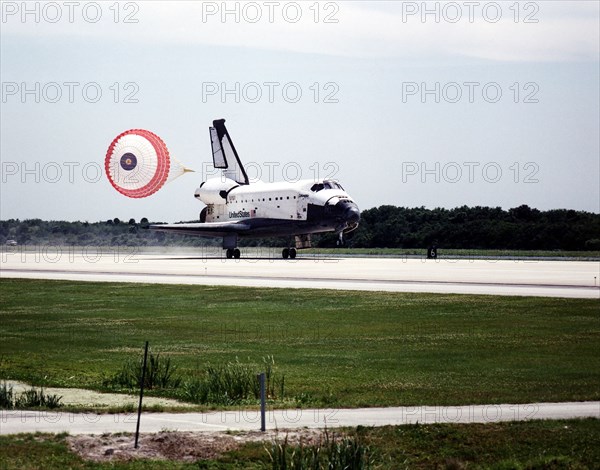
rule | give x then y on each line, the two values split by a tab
236	208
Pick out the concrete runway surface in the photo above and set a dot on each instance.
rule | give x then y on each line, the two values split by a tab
17	421
575	279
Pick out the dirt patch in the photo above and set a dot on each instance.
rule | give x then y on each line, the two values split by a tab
181	446
91	399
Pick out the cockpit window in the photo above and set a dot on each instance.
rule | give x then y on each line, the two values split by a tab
327	184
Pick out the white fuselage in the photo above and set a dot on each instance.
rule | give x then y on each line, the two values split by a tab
282	201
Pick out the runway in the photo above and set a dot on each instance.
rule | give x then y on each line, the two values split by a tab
573	279
20	421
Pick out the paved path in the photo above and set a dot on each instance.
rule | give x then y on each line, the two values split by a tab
12	422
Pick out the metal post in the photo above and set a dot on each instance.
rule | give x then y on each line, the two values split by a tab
263	401
137	429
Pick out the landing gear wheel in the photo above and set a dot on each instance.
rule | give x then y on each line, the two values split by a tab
229	253
292	253
285	253
236	253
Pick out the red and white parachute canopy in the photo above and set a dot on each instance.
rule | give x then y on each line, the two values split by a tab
138	164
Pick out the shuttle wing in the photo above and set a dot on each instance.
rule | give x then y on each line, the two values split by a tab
225	155
209	229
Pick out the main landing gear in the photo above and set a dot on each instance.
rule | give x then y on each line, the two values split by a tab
232	253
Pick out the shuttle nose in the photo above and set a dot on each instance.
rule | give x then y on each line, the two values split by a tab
352	214
348	211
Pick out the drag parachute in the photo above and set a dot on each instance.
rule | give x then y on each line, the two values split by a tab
138	163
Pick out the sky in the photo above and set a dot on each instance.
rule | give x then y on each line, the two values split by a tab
435	104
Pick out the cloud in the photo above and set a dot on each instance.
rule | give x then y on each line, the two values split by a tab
497	31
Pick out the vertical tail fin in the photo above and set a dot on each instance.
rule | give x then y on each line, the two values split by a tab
225	155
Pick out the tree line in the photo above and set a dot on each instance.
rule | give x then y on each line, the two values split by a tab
520	228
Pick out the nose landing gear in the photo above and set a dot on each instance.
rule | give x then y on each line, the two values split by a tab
288	253
233	253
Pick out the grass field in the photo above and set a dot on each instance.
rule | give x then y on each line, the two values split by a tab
335	348
528	445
